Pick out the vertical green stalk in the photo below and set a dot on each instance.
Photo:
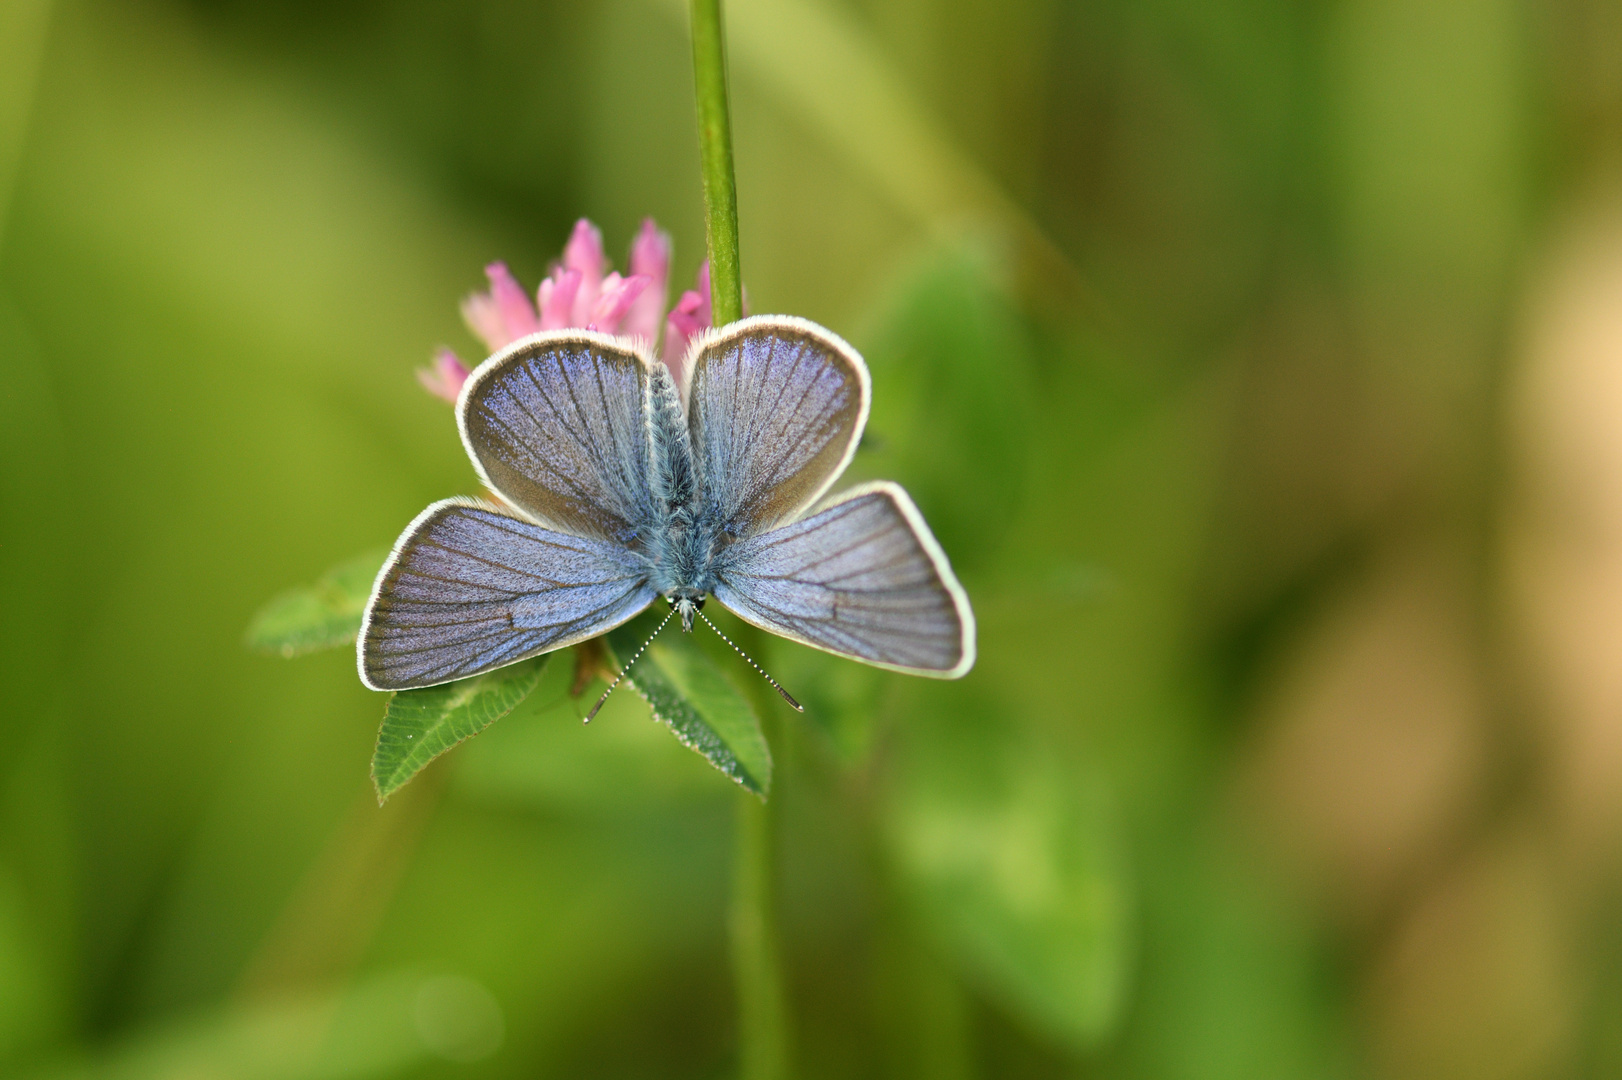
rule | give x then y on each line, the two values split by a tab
715	151
756	965
764	1038
756	969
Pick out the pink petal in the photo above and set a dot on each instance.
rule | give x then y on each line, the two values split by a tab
584	252
650	252
689	318
516	311
556	299
619	294
650	258
703	290
482	316
445	378
503	315
689	313
680	329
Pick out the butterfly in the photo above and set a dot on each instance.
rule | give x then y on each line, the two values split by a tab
619	488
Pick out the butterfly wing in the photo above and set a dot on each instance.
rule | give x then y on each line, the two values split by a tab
863	578
775	408
469	588
557	424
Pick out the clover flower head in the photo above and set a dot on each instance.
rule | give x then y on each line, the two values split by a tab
581	291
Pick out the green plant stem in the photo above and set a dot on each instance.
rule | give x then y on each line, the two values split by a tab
756	966
765	1041
715	153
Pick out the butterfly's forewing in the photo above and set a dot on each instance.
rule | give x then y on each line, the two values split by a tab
469	588
775	407
557	423
863	578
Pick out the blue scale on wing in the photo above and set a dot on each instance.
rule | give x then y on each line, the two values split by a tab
862	578
559	428
773	417
470	588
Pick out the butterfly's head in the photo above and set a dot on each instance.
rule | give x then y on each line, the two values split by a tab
688	602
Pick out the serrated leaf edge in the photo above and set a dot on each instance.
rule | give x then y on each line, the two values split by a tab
382	796
735	771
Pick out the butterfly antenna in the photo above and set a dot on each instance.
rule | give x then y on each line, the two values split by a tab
593	713
775	685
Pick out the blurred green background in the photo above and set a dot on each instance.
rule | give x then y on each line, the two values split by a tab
1258	363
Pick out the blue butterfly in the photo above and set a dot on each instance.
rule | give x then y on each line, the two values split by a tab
621	488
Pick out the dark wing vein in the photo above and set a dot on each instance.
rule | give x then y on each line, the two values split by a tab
555	428
775	406
470	589
857	579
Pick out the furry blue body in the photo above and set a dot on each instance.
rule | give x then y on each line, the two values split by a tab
684	542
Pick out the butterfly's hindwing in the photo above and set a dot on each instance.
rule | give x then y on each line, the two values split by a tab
469	589
863	578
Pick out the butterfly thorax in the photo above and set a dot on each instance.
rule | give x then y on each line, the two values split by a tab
682	540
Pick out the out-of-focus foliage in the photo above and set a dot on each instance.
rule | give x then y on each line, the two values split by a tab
1011	866
1255	362
320	616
